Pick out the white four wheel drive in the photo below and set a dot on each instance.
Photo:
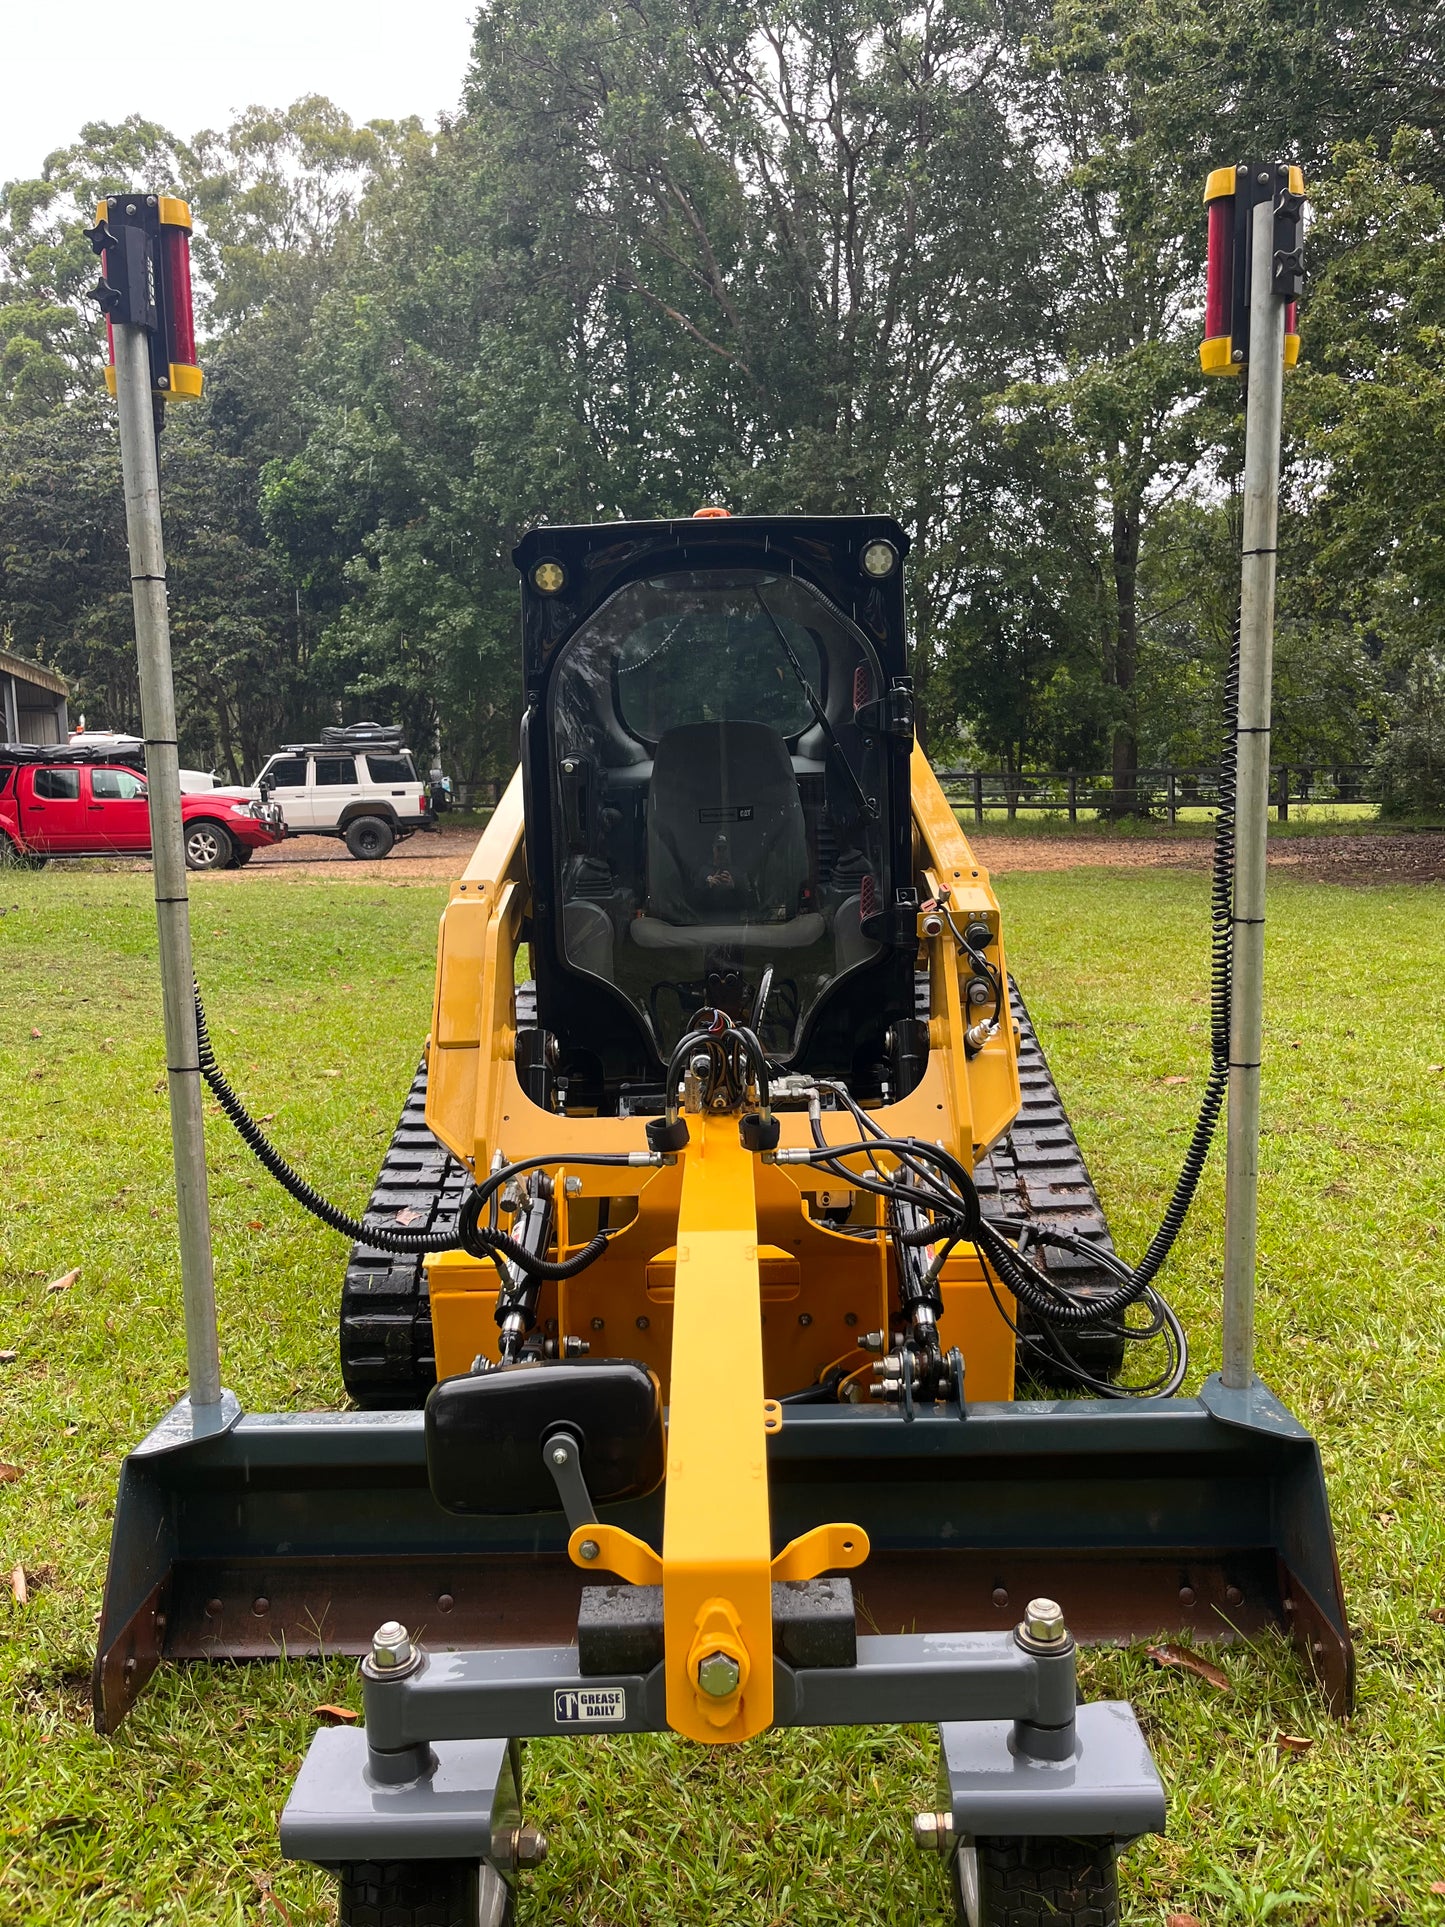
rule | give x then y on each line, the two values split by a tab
357	783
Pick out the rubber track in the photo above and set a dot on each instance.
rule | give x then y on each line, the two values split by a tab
388	1360
387	1356
1037	1171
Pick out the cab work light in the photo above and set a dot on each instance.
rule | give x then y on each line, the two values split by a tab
1231	195
144	244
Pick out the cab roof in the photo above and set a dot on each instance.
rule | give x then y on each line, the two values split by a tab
599	558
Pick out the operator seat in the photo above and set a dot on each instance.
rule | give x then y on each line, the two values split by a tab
727	853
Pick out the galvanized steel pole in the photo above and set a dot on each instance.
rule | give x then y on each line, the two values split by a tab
140	472
1265	406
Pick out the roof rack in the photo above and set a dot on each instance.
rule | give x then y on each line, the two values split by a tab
387	736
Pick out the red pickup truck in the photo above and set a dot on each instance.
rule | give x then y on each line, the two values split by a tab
75	803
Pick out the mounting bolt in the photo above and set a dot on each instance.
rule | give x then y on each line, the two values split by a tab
872	1341
1044	1622
718	1675
391	1646
590	1549
575	1347
933	1832
560	1455
574	1190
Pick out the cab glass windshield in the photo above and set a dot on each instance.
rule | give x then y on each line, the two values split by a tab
719	657
719	810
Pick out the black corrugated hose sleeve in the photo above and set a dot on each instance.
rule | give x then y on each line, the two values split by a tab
1221	916
1024	1280
477	1239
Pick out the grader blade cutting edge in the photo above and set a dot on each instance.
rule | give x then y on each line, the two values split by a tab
1203	1517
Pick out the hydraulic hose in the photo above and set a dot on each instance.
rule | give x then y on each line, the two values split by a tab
481	1240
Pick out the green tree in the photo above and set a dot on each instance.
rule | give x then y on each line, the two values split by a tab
1369	496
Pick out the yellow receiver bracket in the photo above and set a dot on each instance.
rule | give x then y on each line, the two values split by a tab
717	1595
621	1552
824	1549
718	1637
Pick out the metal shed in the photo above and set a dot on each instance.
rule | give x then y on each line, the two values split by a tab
32	702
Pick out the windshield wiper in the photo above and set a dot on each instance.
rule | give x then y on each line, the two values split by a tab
866	803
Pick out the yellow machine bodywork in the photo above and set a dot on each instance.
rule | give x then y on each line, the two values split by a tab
723	1281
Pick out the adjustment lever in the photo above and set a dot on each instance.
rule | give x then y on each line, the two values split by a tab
562	1456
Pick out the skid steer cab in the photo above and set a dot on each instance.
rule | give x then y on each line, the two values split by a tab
743	1189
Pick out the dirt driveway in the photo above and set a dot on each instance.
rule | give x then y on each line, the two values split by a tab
433	856
1368	856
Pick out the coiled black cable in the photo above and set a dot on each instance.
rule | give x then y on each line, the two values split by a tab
1221	981
470	1235
381	1236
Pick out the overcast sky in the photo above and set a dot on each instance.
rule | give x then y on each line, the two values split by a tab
65	62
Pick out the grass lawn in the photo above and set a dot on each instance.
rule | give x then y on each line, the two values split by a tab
318	996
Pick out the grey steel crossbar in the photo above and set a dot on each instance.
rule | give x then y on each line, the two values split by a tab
532	1691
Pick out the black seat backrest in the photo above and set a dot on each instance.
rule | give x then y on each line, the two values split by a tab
725	835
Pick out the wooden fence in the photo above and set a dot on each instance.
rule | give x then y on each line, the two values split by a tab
1154	792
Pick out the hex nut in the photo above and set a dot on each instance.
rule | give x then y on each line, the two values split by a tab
390	1645
531	1846
718	1675
590	1549
519	1847
1044	1622
933	1832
